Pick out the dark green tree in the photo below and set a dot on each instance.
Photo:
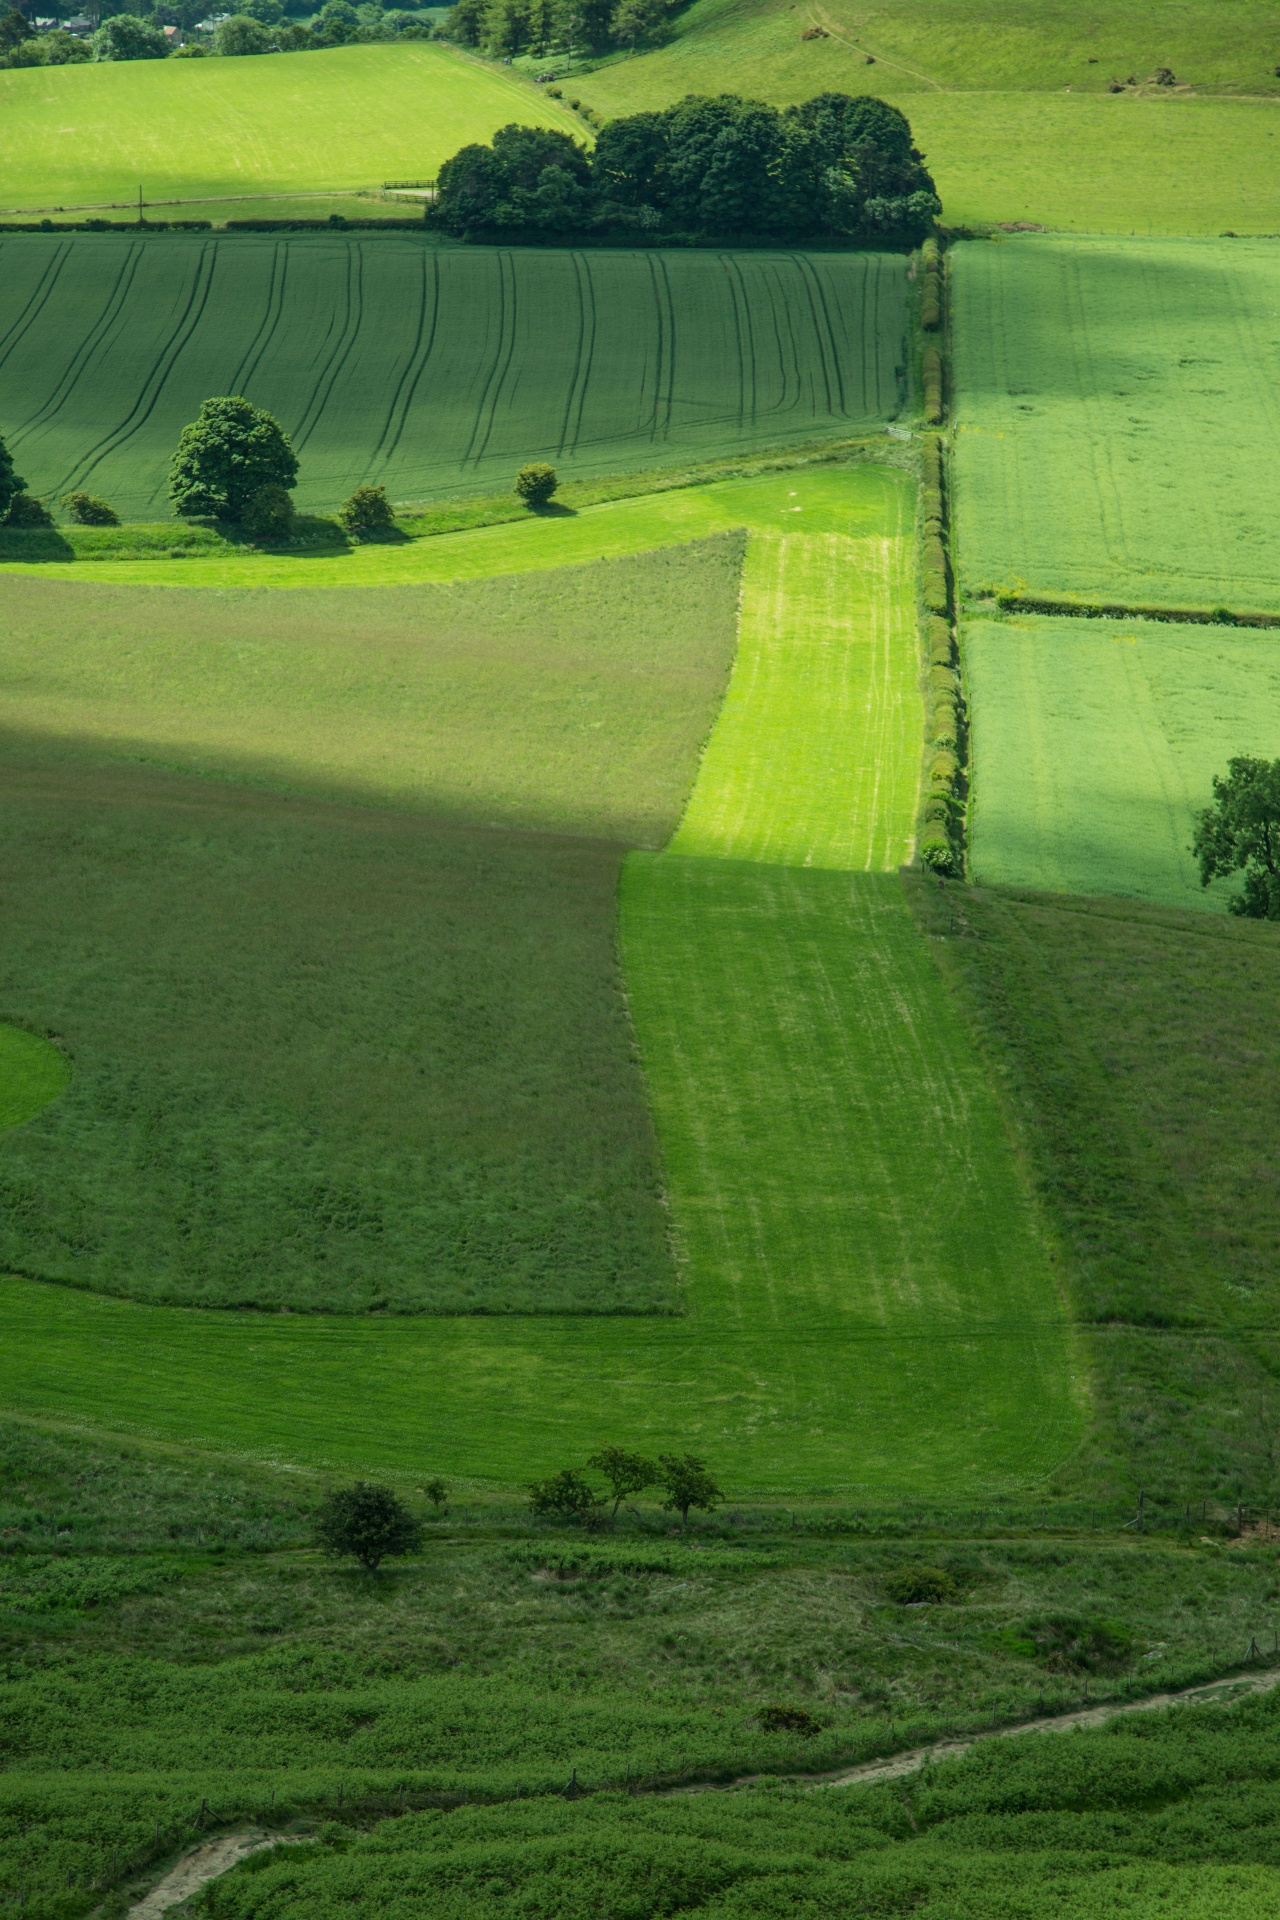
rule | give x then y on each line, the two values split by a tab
369	1522
337	24
536	483
241	34
225	455
629	164
127	37
27	512
465	21
368	514
438	1494
1240	832
87	510
14	29
10	482
268	512
532	179
565	1496
687	1483
627	1473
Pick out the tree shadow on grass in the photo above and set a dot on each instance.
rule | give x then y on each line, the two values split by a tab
34	544
554	510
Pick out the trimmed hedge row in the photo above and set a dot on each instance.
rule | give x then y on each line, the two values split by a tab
941	837
931	292
1133	610
931	374
105	226
336	223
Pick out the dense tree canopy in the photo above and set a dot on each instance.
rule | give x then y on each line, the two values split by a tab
707	168
1240	833
125	36
230	451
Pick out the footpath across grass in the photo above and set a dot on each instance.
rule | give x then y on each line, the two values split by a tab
1112	402
1094	744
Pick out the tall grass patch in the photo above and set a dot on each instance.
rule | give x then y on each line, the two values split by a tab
1113	402
393	362
1094	743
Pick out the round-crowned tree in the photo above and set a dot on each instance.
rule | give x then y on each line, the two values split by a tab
368	514
87	510
230	451
370	1522
535	484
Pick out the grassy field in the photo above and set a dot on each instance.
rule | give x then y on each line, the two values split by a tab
498	702
1094	743
1115	409
32	1073
390	361
456	987
296	123
1137	1043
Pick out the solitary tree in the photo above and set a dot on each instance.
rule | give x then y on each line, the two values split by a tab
438	1494
231	450
1241	832
368	514
535	484
565	1496
626	1473
10	482
687	1483
370	1522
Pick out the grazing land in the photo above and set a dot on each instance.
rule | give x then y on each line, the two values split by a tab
1094	744
1138	1045
1116	418
348	117
389	361
457	986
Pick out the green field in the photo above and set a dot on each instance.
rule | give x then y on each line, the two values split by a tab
327	1056
1113	404
1138	1046
1095	742
496	1399
206	129
393	362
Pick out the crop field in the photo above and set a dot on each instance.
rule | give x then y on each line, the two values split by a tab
392	361
295	123
1095	742
496	1398
1116	419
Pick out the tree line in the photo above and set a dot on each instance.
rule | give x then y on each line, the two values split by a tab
508	28
258	26
723	168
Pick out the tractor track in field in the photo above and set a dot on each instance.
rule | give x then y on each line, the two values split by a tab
216	1857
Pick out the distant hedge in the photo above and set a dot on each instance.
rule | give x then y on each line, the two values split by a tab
707	169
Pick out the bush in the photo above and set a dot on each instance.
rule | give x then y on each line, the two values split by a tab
88	511
369	1522
230	450
1071	1644
368	514
939	855
27	512
935	591
268	513
910	1586
790	1720
565	1496
535	484
933	451
931	374
939	637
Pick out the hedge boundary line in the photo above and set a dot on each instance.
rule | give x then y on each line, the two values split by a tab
336	224
941	844
931	292
1115	610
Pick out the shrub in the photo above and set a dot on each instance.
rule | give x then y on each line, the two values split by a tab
368	514
939	637
1073	1644
933	447
789	1720
565	1496
934	588
535	484
939	856
88	511
943	768
27	512
912	1585
369	1522
268	513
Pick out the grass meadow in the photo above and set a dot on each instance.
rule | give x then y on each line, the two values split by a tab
295	123
390	361
1115	418
32	1073
1094	744
1136	1044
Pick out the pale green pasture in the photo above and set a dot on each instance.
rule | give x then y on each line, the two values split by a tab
814	759
1117	417
32	1073
296	122
849	500
1095	742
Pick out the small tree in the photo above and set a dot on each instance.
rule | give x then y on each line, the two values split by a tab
687	1483
225	455
438	1494
368	514
370	1522
1241	832
127	37
268	513
535	484
27	512
626	1473
88	511
565	1496
10	482
241	34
